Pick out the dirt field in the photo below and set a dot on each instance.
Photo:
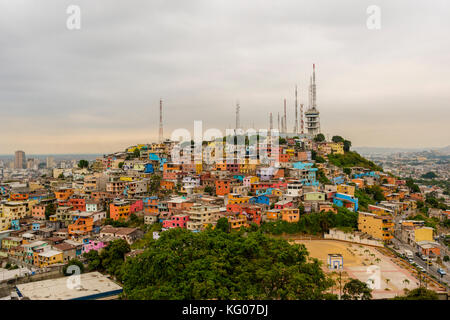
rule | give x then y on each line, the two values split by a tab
364	262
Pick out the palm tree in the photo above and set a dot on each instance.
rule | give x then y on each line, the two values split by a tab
377	260
387	281
405	282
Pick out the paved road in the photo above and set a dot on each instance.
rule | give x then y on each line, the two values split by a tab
432	270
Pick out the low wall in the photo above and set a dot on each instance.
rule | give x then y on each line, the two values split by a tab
351	237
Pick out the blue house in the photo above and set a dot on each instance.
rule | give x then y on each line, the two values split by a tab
366	174
153	156
338	180
15	224
149	168
345	200
262	199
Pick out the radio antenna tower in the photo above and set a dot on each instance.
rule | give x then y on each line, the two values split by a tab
161	136
238	120
270	122
285	118
302	125
296	114
279	129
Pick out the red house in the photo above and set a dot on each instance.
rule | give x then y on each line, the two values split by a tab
177	221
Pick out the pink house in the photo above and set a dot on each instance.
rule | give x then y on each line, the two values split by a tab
93	245
177	221
284	204
38	212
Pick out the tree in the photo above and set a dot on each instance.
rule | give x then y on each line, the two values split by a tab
429	175
49	210
282	141
209	190
347	145
61	176
120	165
83	164
93	259
412	186
347	171
419	294
319	138
73	262
136	153
223	225
337	139
356	290
155	183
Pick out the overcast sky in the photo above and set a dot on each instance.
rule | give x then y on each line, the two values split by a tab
97	89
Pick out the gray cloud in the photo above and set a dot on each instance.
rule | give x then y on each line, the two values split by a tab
97	89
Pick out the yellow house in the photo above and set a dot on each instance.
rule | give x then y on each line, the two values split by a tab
48	258
379	227
423	234
237	199
290	152
126	179
336	147
344	188
277	192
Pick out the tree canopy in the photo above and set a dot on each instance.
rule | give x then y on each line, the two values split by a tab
217	265
83	164
355	289
337	139
319	138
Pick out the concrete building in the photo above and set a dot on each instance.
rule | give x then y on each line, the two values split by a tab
379	227
20	161
91	286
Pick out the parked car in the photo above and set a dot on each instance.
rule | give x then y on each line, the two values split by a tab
441	271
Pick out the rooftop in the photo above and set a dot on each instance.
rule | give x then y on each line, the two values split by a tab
93	285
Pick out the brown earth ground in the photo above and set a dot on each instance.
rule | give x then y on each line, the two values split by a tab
393	277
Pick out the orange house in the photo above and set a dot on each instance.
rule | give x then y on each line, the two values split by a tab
327	207
272	215
358	182
82	225
63	194
119	210
220	166
167	185
290	215
223	187
284	157
19	196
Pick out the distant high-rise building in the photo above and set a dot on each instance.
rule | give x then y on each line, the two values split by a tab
50	162
20	160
